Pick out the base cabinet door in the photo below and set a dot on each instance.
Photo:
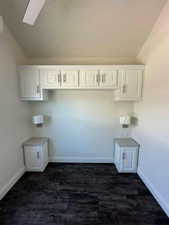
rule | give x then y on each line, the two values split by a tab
89	79
108	79
129	160
36	154
33	157
69	79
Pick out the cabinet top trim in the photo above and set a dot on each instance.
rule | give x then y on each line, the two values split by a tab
85	67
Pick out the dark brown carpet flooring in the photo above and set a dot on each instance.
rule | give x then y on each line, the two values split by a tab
80	194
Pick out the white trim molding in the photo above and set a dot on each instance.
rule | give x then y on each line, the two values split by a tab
81	159
154	191
11	183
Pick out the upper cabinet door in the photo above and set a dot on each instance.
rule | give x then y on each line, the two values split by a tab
130	85
69	79
89	79
108	79
50	79
29	83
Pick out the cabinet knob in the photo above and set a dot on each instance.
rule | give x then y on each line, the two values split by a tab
124	156
124	89
98	78
64	77
59	78
38	155
38	89
103	78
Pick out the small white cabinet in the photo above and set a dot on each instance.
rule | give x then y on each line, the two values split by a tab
126	155
36	154
30	88
130	85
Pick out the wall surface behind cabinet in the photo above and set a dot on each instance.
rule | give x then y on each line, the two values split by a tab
14	114
82	124
152	131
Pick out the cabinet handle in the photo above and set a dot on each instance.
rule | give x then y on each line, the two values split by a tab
64	78
38	155
124	156
103	78
98	78
38	89
59	78
124	89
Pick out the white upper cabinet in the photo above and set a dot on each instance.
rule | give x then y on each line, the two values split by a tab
130	85
126	81
89	79
103	79
108	79
69	79
50	79
56	78
30	84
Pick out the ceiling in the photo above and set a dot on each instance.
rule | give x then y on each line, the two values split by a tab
83	28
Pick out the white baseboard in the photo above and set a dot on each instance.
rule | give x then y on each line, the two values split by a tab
11	183
154	191
81	159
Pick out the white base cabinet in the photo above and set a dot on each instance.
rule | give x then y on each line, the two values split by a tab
126	155
36	154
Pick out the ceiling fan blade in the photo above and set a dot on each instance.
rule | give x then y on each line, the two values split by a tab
33	10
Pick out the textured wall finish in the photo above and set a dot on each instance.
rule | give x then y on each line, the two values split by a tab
82	124
78	28
152	131
14	115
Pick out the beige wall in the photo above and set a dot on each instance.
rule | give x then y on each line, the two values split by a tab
14	115
82	124
152	131
83	61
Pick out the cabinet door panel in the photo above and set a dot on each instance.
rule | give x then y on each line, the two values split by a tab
129	158
108	79
89	79
117	154
50	79
33	156
45	153
131	84
69	79
30	83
